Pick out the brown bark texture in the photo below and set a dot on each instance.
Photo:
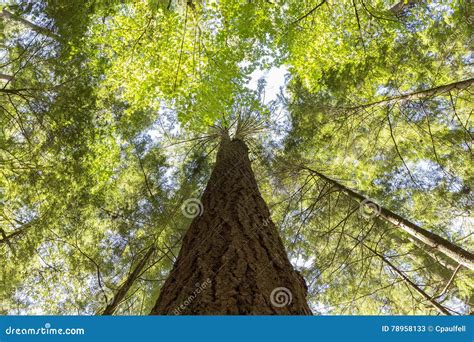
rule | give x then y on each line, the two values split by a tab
232	260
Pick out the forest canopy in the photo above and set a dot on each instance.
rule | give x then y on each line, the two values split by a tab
357	116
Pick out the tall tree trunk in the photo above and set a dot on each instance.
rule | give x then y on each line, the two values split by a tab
232	260
438	243
127	284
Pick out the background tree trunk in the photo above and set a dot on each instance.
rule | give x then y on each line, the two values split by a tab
402	5
436	242
127	284
232	260
418	95
6	14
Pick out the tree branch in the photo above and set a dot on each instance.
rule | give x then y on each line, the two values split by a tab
309	13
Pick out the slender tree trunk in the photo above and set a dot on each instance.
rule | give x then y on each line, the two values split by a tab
127	284
426	296
438	243
8	237
6	77
232	260
446	263
399	7
418	94
448	284
39	29
19	92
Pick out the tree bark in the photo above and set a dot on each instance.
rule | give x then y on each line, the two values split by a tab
127	284
438	243
232	260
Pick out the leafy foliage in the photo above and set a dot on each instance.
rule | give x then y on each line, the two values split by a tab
108	116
